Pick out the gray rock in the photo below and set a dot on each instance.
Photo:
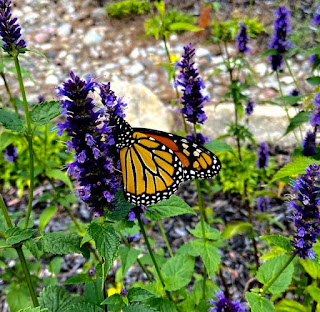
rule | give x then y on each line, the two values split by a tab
98	13
64	30
94	36
261	69
52	80
41	37
134	70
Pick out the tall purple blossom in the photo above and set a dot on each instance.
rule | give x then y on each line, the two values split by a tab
189	79
263	156
201	139
315	116
10	30
280	40
249	107
306	214
316	16
10	153
309	144
243	39
96	165
222	304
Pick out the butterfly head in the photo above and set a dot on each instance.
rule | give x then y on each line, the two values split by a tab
123	133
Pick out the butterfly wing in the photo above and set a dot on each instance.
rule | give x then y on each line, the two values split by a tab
197	161
151	170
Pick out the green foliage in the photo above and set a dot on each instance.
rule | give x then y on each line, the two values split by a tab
16	235
126	8
258	303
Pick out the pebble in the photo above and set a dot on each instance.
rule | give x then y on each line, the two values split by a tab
261	69
134	70
92	37
64	30
202	52
98	13
286	80
41	37
52	80
123	60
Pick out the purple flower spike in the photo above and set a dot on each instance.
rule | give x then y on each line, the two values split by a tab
315	117
316	16
96	164
305	203
201	139
222	304
192	99
249	107
280	40
263	156
10	153
242	39
309	144
10	29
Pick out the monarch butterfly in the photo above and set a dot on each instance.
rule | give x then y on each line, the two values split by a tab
154	163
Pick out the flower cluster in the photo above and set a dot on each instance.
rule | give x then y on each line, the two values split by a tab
306	213
316	16
263	203
280	40
10	153
263	156
295	92
242	39
189	79
315	116
222	304
10	29
96	165
201	139
249	107
309	144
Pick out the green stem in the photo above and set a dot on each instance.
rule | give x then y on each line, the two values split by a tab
138	260
165	238
275	277
5	213
75	221
26	271
291	74
9	92
154	259
29	137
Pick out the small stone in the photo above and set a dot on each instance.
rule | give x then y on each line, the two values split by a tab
94	36
287	80
52	80
134	70
98	13
41	37
64	30
261	69
123	60
202	52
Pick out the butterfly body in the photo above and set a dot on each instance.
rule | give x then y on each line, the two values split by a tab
154	163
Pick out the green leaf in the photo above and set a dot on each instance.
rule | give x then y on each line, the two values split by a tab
107	242
258	303
177	272
82	307
78	279
11	122
290	99
139	294
296	167
122	207
219	146
162	305
39	53
128	258
314	80
210	232
90	294
209	255
279	240
312	267
297	120
186	249
57	299
114	302
234	228
59	175
290	305
16	235
17	299
45	216
269	52
272	267
60	243
30	309
7	138
138	308
174	206
42	113
314	292
31	245
183	27
55	265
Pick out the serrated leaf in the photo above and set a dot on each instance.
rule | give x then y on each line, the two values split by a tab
290	305
174	206
279	240
272	267
122	207
31	245
114	302
128	258
258	303
7	138
312	267
30	309
17	299
139	294
57	299
107	242
186	249
298	166
297	120
210	232
138	308
59	175
162	305
315	80
60	243
78	279
82	307
183	27
314	292
209	255
289	99
45	216
11	122
55	265
42	113
219	146
16	235
90	294
177	272
234	228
